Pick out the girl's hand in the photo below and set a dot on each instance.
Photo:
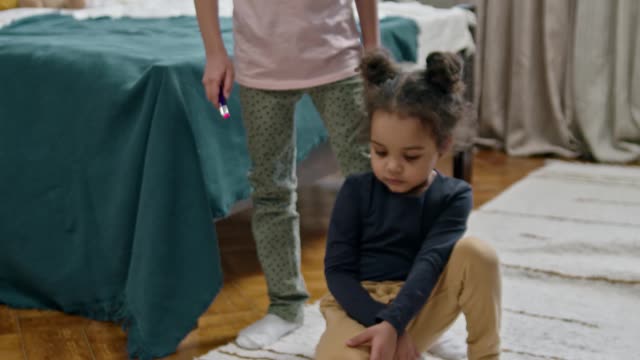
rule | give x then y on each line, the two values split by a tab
218	73
382	338
406	349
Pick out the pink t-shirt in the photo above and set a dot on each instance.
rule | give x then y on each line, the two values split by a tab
294	44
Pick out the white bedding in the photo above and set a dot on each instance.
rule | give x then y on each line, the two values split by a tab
120	8
440	29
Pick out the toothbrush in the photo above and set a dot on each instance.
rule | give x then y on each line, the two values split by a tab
224	109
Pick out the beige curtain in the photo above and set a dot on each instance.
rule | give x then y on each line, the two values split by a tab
525	102
607	78
560	77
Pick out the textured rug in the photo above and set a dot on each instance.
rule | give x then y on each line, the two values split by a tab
568	236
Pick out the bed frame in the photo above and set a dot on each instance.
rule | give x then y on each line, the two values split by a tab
463	158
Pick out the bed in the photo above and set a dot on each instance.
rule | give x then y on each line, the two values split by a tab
114	165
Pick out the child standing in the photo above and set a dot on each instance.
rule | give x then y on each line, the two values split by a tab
397	269
283	50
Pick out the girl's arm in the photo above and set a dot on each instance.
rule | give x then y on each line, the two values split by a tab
368	14
341	265
218	71
448	228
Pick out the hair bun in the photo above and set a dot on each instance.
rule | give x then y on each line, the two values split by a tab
376	67
444	71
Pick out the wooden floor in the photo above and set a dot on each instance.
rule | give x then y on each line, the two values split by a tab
41	335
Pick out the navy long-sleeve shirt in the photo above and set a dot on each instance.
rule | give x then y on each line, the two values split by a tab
378	235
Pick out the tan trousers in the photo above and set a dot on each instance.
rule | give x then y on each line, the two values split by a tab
470	283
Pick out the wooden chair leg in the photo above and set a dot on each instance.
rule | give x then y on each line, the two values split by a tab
463	165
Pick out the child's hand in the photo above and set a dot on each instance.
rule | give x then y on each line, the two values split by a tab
382	338
218	74
406	349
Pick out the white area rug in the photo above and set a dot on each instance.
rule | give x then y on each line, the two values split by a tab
568	236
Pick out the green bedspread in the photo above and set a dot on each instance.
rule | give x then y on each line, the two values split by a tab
113	166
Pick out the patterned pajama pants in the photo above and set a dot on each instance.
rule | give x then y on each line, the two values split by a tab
269	123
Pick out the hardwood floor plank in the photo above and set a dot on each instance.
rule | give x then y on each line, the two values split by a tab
11	346
8	321
107	340
54	343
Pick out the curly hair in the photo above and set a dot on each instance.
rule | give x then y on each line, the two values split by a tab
434	95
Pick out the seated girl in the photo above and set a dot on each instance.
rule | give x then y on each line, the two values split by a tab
397	266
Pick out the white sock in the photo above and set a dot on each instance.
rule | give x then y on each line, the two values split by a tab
265	332
449	347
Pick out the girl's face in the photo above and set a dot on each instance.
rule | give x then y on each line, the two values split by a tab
403	152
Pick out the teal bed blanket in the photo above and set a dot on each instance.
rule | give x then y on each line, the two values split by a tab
114	165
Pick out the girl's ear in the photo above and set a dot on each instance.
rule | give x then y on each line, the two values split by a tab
446	146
